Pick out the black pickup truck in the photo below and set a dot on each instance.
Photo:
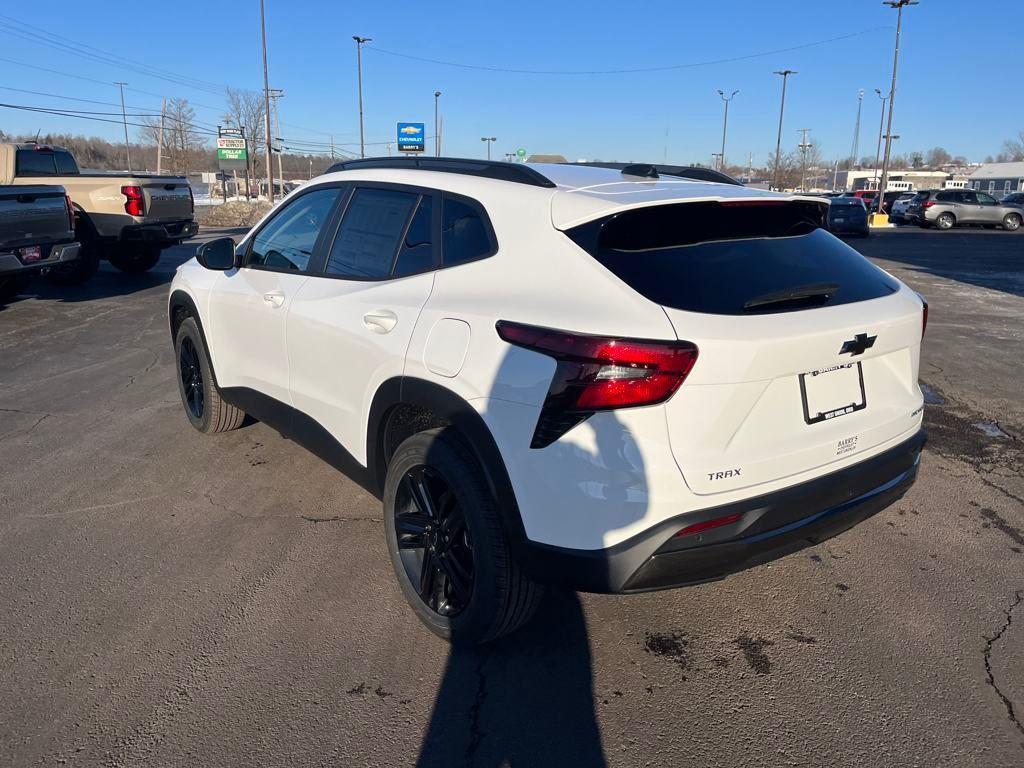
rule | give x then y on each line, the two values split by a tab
37	233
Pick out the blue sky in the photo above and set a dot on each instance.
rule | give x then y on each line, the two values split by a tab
952	91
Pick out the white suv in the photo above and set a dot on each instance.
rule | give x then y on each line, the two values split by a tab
611	380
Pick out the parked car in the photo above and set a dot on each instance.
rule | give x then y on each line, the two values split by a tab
37	233
848	216
125	218
557	374
1014	198
890	197
898	208
948	208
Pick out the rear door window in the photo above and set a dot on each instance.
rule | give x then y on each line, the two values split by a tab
66	165
371	233
34	162
733	258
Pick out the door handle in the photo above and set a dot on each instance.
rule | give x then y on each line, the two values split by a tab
380	320
274	298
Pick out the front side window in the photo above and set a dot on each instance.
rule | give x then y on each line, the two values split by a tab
465	234
969	197
371	233
287	241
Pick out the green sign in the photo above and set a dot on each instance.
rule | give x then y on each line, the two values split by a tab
231	154
520	153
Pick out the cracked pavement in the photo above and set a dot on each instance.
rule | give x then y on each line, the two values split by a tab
174	600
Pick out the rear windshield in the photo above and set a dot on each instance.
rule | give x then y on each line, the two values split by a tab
853	202
733	258
44	162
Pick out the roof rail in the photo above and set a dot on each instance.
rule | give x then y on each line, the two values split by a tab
641	169
684	171
488	169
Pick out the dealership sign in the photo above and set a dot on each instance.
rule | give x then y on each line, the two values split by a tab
411	137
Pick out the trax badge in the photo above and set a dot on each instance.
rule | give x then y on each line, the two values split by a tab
723	475
858	344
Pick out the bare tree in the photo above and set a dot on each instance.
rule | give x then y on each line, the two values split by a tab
936	157
247	109
1013	149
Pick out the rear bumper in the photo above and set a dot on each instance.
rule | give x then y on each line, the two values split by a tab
167	232
11	264
768	527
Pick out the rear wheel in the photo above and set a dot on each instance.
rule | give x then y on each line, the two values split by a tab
81	269
1012	222
205	409
945	221
447	545
134	259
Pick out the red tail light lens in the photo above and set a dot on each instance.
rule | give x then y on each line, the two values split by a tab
71	211
927	203
134	203
707	525
599	373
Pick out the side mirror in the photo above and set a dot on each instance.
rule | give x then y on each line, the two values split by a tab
217	254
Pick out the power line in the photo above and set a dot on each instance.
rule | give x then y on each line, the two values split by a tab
628	71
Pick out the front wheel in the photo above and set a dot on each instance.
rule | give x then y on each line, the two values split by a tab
134	259
205	409
447	545
1011	222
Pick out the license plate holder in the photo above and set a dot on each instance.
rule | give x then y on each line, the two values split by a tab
832	392
30	254
840	221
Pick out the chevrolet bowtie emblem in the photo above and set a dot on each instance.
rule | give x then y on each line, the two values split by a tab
858	344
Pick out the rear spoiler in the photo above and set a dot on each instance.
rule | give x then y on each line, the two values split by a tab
654	171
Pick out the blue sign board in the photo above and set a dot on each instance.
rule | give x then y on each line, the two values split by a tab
411	137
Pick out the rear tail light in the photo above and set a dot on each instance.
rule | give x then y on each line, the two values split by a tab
707	525
71	211
599	373
134	203
927	203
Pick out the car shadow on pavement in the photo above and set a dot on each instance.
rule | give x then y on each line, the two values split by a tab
525	700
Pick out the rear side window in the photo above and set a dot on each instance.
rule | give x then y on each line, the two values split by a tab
465	233
66	165
733	258
948	197
417	251
33	162
371	232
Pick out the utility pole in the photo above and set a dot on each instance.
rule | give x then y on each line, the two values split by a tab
750	167
124	120
488	139
359	70
856	130
437	127
778	141
725	125
835	176
804	145
898	5
266	105
160	137
332	146
275	94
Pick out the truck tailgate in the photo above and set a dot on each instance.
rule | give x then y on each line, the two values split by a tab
167	200
33	215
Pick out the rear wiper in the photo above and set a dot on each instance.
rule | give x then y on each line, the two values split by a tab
814	293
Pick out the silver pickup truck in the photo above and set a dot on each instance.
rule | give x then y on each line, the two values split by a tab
37	233
126	218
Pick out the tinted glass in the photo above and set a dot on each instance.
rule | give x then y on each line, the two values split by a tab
731	260
969	196
947	197
287	241
370	233
850	202
30	162
417	253
464	233
985	199
66	165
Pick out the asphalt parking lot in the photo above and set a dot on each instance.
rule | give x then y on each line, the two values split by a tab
168	599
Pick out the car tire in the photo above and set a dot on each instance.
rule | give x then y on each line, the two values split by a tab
945	221
1012	222
134	259
82	269
12	285
442	527
204	407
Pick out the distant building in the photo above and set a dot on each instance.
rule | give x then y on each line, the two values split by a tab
546	159
868	178
998	179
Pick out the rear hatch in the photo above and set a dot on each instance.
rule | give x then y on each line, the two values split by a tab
808	353
34	215
167	198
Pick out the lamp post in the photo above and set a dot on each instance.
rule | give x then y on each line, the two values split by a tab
124	119
898	5
881	125
778	141
713	160
266	106
359	69
488	139
725	125
437	130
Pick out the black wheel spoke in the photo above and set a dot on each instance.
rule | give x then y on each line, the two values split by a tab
428	576
191	374
411	528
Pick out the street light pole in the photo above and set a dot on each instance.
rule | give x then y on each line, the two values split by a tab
804	145
488	139
275	94
359	69
878	146
778	141
124	119
725	125
437	129
266	106
898	5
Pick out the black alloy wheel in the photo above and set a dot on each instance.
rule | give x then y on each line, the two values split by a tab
191	377
433	541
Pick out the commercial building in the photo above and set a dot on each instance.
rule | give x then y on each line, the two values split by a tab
998	179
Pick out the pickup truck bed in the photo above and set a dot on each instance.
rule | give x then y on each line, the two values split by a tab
36	233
